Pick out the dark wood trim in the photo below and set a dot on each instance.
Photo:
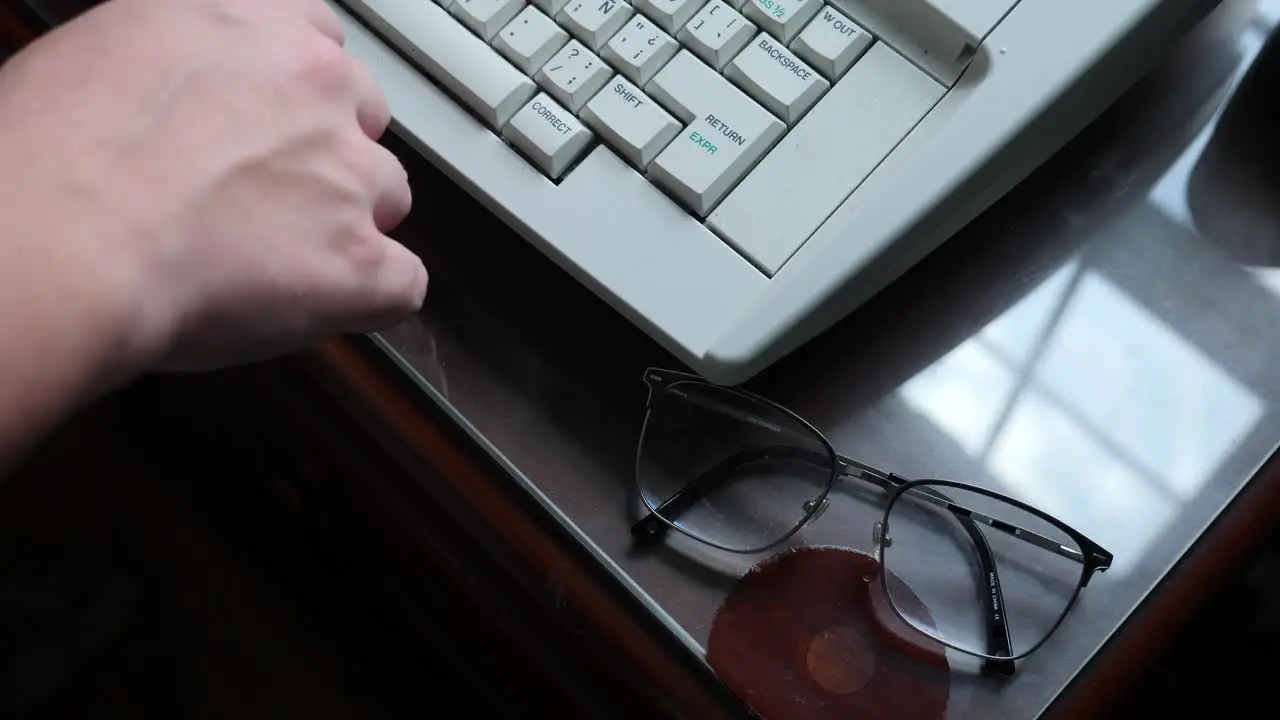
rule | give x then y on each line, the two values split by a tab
536	549
423	598
1218	557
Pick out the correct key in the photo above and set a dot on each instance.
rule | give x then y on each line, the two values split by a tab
548	134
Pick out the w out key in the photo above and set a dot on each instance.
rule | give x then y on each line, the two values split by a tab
726	133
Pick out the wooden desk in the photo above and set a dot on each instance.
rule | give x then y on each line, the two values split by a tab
1099	344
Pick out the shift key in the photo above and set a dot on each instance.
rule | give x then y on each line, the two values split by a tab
726	133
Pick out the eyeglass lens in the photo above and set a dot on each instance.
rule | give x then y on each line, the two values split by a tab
728	470
1030	577
967	569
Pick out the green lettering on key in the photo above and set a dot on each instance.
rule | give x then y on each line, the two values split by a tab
702	142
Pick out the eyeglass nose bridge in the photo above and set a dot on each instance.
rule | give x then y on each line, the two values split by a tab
880	537
816	507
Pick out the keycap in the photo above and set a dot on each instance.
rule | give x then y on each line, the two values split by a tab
670	15
550	7
727	133
782	19
573	75
717	33
454	57
550	136
640	49
776	78
530	40
824	159
831	43
594	21
485	17
630	122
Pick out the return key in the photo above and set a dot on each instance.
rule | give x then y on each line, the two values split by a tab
725	136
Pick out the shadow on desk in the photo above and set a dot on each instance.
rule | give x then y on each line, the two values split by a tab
124	594
228	545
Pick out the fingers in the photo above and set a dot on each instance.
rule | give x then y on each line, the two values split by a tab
372	111
325	20
392	196
371	105
395	291
402	285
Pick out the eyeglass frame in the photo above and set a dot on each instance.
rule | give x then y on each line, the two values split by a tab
1092	557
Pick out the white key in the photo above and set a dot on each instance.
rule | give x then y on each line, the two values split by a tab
831	43
454	57
797	187
636	126
550	7
717	33
726	136
777	79
573	75
485	17
670	15
548	135
640	49
530	40
781	18
594	21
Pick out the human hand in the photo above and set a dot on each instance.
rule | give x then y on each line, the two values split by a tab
214	165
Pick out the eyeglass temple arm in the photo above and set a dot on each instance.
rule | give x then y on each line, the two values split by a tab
999	641
861	471
650	529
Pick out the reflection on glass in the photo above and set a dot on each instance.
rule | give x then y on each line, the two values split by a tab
1169	194
968	387
1268	278
1163	405
1080	392
1016	333
1052	460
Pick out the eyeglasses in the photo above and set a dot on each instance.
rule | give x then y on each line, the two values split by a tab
974	570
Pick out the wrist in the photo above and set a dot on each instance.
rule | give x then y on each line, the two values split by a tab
77	303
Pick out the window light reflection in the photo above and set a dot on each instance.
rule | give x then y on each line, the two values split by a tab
1084	403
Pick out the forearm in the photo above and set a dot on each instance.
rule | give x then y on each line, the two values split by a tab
61	329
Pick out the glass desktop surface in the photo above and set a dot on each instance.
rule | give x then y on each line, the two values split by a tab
1100	344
